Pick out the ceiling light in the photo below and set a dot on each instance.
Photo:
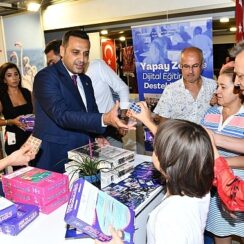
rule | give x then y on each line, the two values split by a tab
233	29
104	32
121	32
33	6
122	38
224	20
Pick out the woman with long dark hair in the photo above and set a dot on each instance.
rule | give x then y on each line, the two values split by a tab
14	102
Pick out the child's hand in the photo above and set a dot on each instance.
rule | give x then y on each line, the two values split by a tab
116	237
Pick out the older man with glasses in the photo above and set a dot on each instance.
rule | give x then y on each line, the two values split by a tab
187	98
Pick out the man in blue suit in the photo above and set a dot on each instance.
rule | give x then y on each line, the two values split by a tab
67	116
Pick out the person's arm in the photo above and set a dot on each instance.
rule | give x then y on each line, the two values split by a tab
229	187
163	119
236	162
111	118
118	85
18	158
144	116
230	143
228	65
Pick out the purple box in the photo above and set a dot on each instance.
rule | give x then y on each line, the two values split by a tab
93	211
28	120
25	215
7	209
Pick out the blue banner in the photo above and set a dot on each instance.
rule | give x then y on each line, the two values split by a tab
157	51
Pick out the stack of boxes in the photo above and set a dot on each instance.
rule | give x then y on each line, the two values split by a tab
45	189
117	163
15	217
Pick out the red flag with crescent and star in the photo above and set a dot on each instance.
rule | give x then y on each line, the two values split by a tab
239	20
109	53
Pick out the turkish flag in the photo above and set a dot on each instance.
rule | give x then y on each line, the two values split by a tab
109	53
239	20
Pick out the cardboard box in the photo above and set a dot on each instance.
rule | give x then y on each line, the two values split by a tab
7	209
35	181
136	188
92	211
28	120
113	156
115	175
17	196
25	215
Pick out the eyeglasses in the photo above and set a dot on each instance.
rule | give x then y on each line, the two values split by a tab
187	67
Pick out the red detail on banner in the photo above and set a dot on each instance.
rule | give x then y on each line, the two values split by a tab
239	20
109	53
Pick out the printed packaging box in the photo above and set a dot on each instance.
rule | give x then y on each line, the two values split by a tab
44	208
28	120
35	181
7	209
56	203
16	195
48	190
136	188
113	156
25	215
116	162
115	175
92	211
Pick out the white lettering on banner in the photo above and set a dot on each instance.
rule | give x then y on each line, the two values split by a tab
171	76
154	86
149	77
175	65
154	67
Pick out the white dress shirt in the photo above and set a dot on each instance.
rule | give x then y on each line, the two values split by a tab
103	77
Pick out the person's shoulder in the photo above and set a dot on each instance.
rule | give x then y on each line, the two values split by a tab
85	77
53	69
97	63
208	81
25	90
213	110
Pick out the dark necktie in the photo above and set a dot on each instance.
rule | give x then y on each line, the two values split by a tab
74	79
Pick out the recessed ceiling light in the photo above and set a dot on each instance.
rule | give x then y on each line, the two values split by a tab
224	20
33	6
122	38
104	32
233	29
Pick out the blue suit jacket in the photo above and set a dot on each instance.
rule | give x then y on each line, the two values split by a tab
62	121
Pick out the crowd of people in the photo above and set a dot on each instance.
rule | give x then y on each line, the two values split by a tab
201	122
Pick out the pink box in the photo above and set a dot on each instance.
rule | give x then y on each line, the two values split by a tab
18	196
44	208
56	203
35	181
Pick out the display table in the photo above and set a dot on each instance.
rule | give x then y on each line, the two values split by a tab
51	228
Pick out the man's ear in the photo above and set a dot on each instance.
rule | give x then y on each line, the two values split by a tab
62	49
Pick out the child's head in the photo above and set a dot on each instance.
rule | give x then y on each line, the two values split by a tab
185	157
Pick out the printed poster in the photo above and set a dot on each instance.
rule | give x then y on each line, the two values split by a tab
25	45
157	51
